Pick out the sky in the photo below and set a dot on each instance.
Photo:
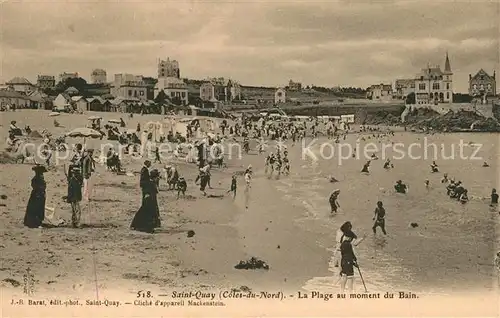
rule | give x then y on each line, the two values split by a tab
262	43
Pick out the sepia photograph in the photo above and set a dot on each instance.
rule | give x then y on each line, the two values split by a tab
249	158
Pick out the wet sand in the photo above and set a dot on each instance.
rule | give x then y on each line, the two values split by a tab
106	257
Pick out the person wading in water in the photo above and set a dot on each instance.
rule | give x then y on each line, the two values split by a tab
334	204
379	218
347	263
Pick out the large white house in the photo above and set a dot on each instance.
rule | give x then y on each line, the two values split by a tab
434	86
173	87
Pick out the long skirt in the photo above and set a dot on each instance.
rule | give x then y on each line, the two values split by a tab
35	211
87	188
148	216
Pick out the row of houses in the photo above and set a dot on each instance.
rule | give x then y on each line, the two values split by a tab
434	86
35	99
96	103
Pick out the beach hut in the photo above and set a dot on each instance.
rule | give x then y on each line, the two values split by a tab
62	102
119	105
80	103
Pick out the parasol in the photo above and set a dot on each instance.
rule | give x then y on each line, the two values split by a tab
53	114
84	132
94	117
114	121
188	120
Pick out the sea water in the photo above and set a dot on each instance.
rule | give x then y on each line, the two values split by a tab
453	246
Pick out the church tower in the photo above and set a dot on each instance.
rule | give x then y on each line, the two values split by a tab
448	81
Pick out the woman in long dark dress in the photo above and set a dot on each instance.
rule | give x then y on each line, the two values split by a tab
35	211
148	216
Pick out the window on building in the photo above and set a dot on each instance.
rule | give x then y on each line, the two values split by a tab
135	93
447	85
421	87
447	95
183	94
435	86
129	92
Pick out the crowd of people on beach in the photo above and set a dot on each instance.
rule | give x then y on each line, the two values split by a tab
147	219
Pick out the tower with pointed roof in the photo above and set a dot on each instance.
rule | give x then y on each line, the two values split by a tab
434	85
448	81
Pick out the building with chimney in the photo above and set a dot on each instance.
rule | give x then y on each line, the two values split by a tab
221	90
174	88
45	81
65	76
294	86
129	87
482	85
434	86
403	87
168	68
20	85
379	92
98	76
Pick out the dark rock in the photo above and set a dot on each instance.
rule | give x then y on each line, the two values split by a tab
414	225
3	197
252	263
191	233
13	282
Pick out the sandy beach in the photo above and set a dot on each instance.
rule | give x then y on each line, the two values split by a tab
287	225
108	251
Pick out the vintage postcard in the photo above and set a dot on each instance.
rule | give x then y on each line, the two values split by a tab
249	158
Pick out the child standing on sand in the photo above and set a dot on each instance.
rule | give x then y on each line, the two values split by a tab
233	186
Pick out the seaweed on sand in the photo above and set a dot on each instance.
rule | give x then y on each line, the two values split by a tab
252	263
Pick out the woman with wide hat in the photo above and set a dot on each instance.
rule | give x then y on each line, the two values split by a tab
35	211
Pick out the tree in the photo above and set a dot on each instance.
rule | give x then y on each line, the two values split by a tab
161	98
77	82
410	99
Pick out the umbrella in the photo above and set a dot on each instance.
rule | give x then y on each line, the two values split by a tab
114	121
84	132
94	117
53	114
188	120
